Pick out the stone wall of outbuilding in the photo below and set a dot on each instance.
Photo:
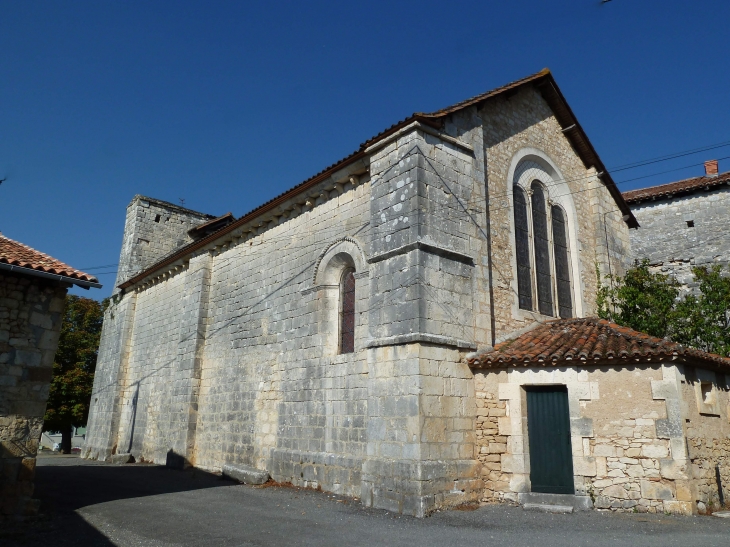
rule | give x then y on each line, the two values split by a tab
31	312
631	428
706	398
674	247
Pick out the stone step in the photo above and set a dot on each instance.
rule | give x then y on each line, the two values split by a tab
245	474
545	508
577	503
124	457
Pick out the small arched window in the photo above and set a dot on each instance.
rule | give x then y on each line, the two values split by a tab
522	242
347	313
542	250
562	262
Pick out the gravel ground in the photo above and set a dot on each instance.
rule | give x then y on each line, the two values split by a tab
91	503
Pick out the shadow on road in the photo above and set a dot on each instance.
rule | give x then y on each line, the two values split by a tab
67	483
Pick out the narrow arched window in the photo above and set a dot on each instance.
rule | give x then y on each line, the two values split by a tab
347	313
542	250
522	243
562	262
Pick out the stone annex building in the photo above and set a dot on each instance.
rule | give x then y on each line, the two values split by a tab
33	287
683	224
412	327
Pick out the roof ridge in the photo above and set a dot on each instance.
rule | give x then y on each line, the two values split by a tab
676	187
550	93
710	177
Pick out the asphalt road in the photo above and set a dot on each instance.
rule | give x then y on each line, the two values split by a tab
89	503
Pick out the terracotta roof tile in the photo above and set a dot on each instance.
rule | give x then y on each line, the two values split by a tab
589	341
673	188
16	254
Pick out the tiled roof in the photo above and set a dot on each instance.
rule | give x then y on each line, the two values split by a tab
17	254
589	341
674	188
543	80
212	225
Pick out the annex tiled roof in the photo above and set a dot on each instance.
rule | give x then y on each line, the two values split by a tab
15	253
676	188
544	82
589	341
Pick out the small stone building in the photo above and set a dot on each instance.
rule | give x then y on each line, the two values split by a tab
683	224
335	336
619	418
33	287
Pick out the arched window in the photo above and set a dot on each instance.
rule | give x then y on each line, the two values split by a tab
347	313
522	250
562	262
542	250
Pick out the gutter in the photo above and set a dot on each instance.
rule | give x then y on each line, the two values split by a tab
36	273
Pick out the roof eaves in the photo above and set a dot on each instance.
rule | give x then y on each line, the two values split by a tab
433	119
265	207
680	187
582	144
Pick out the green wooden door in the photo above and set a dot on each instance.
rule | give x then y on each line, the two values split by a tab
548	426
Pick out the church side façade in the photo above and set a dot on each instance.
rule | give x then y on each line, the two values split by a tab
328	337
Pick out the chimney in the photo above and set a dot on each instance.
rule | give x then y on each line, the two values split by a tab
711	168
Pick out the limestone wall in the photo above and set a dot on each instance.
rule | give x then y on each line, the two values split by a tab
706	397
671	245
627	435
232	355
152	230
524	121
31	312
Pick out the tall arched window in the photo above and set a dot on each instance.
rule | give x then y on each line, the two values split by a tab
347	313
562	262
545	263
522	250
542	250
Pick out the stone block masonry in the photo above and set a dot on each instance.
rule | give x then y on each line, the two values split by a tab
231	355
679	233
152	230
638	441
31	312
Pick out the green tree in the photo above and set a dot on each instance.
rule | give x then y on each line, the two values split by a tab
703	321
73	367
642	300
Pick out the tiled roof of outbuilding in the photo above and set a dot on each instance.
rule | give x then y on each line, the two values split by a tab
675	188
589	341
16	254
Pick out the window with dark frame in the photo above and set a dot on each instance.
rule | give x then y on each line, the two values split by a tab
562	262
543	268
347	313
535	241
522	242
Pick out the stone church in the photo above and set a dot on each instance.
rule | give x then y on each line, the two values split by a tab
411	327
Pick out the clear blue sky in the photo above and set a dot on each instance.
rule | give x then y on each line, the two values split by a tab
226	104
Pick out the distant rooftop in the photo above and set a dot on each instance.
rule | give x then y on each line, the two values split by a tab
672	189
